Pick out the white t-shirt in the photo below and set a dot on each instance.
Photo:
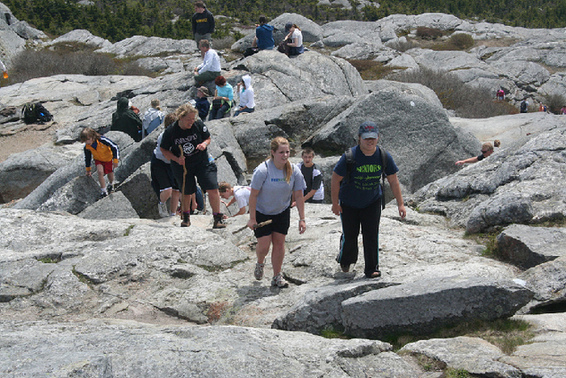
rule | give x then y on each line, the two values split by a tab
299	36
274	192
242	195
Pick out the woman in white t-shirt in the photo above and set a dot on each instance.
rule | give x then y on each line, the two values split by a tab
295	47
273	183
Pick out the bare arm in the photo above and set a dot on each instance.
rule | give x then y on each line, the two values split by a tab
300	201
335	191
396	189
310	195
170	156
470	160
252	204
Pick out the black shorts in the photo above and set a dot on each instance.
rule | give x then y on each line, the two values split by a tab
280	223
206	174
162	175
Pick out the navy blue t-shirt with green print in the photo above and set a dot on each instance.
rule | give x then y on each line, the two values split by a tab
363	189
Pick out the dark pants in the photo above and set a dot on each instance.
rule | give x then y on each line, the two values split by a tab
217	113
368	218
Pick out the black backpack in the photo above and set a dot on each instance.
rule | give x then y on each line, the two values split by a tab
351	163
523	106
35	112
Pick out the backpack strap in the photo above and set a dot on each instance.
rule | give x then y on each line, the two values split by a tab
383	154
350	164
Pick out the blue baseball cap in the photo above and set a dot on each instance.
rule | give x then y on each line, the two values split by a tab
368	129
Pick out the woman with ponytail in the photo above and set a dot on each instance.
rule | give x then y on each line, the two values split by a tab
273	183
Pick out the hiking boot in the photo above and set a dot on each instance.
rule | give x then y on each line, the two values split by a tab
110	188
279	281
219	221
186	220
163	210
258	272
345	267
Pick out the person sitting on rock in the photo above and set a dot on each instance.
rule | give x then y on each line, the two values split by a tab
152	118
105	154
486	151
125	120
210	67
263	39
201	103
246	93
295	47
223	97
240	194
563	110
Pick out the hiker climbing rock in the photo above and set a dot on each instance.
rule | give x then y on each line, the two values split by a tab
105	154
185	144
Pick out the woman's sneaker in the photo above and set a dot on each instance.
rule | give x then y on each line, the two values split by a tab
279	281
258	272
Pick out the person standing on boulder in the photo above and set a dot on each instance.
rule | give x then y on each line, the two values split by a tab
185	144
105	154
273	183
202	23
356	196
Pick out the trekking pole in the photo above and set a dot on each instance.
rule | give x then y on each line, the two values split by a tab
269	221
183	189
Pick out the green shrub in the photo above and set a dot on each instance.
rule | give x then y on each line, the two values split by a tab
370	69
461	41
429	33
466	100
30	64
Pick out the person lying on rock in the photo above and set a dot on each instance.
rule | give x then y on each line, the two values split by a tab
240	194
486	151
356	193
105	154
273	183
185	144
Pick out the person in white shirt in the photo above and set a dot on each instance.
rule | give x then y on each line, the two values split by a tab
239	194
152	118
246	93
210	67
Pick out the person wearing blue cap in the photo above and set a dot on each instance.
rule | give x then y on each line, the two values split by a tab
356	196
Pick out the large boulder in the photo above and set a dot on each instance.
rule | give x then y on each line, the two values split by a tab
423	307
321	309
470	354
418	135
22	172
512	186
166	351
65	174
527	246
548	282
